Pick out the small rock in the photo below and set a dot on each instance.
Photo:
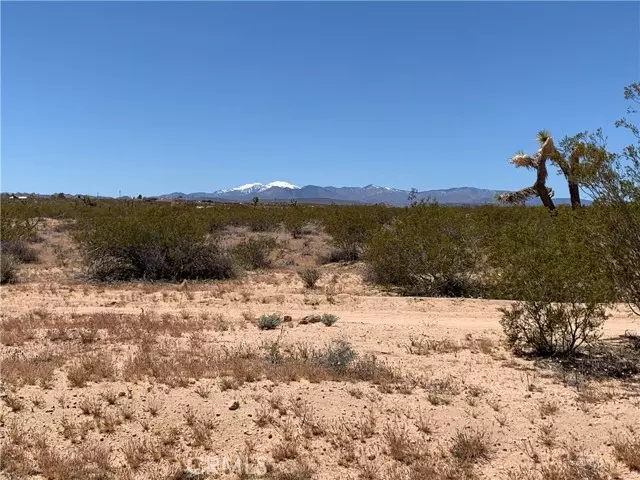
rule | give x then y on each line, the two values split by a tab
234	405
310	319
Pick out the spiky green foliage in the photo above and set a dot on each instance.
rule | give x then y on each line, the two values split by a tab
520	159
520	197
542	136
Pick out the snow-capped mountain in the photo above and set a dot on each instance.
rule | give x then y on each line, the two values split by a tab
371	194
257	187
285	191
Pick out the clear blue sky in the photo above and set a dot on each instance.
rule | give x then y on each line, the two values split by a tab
159	97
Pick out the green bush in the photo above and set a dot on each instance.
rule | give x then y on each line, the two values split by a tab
552	329
328	319
351	228
428	250
337	356
154	243
542	257
561	284
269	322
254	253
309	276
8	269
613	181
19	223
618	238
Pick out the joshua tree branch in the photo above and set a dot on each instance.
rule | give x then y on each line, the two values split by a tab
519	197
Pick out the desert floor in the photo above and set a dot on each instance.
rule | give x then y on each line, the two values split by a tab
176	381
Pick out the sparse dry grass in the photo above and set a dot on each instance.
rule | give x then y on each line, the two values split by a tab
470	446
424	345
626	448
135	381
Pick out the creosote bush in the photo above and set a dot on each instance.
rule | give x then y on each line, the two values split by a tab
428	250
613	181
351	228
254	253
560	285
150	244
552	328
19	222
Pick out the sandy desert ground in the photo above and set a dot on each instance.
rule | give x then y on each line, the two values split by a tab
155	381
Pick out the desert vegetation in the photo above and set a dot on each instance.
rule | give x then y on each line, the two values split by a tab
184	340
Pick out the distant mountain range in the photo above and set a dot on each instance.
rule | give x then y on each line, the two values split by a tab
284	191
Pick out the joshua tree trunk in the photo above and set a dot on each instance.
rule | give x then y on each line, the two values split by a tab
538	161
574	189
541	187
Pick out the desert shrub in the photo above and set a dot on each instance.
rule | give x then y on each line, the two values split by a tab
428	250
309	276
627	450
254	253
613	181
338	355
470	446
552	328
19	222
152	243
342	253
619	240
19	250
351	228
159	262
328	319
269	322
8	269
560	284
295	225
263	223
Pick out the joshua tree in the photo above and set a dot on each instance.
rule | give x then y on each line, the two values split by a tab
569	163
